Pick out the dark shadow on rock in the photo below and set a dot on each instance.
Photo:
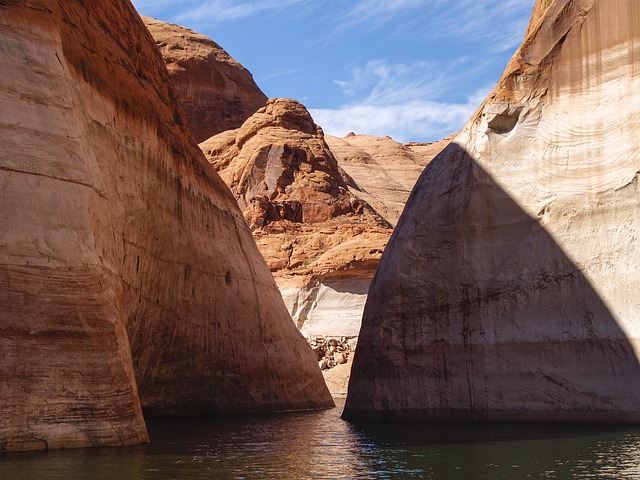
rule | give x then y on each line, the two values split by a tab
348	284
477	314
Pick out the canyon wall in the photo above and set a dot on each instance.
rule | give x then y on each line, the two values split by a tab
508	291
216	92
129	280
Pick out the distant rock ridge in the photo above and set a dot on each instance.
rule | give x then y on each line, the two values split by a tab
383	170
280	168
508	291
129	280
216	92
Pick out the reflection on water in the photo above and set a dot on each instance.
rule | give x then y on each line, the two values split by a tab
321	445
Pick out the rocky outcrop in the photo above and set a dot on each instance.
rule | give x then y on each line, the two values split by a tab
320	240
216	92
280	168
383	170
129	280
508	289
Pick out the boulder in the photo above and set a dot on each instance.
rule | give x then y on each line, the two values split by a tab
508	291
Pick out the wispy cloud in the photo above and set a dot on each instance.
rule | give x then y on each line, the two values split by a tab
374	13
207	12
382	83
223	10
493	25
270	76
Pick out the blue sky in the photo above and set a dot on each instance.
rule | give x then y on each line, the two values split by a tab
411	69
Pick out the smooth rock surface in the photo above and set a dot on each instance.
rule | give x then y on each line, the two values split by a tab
128	277
216	92
508	291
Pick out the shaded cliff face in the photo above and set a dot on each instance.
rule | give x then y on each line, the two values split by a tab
128	277
507	291
216	92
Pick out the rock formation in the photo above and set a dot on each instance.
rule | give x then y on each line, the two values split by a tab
321	241
384	170
129	280
216	92
508	290
312	220
323	262
280	168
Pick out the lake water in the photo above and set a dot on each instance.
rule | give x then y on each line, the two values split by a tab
321	445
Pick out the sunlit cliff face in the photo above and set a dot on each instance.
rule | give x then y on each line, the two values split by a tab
130	280
506	289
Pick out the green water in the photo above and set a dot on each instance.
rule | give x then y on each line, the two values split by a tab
321	445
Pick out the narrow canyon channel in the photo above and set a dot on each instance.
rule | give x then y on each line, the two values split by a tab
321	445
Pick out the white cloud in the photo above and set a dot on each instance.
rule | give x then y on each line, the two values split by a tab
398	100
382	83
420	120
494	25
412	101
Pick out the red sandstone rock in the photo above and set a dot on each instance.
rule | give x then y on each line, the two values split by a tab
508	290
128	277
313	231
383	170
280	168
216	92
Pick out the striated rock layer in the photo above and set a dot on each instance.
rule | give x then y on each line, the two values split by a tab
216	92
129	280
383	170
508	290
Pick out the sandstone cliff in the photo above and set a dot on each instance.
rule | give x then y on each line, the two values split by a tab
383	170
129	280
216	92
508	290
320	240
